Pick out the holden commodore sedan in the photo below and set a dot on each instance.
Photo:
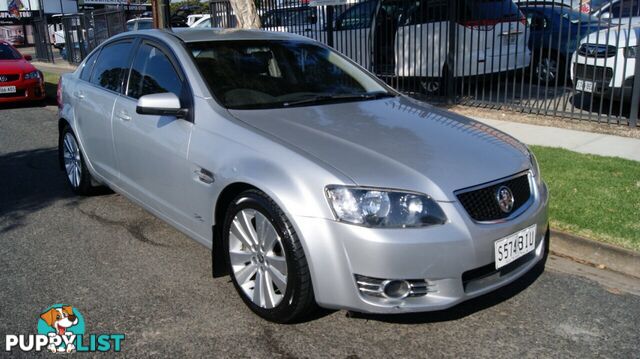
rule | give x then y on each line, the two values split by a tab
19	80
313	183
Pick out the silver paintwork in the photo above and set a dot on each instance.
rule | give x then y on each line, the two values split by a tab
292	155
160	101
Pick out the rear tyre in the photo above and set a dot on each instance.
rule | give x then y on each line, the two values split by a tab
267	263
73	163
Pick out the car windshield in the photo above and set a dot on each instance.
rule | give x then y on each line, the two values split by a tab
8	53
272	74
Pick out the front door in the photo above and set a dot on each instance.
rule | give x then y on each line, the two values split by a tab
151	150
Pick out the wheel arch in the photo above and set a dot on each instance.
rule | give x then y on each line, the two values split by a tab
231	191
62	123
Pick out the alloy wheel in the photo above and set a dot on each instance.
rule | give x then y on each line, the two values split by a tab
72	160
257	258
547	70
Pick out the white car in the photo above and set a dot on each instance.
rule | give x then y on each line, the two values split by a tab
193	18
605	62
623	12
143	23
202	23
492	38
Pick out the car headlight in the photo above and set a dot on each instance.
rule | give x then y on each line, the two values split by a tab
371	207
32	75
630	52
535	168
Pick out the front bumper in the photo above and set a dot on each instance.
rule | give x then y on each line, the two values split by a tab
612	76
440	255
32	90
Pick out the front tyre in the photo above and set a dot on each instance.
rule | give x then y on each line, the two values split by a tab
72	159
266	260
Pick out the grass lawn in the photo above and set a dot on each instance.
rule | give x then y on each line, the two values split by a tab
50	84
593	196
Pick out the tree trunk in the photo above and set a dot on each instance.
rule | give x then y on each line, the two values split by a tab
246	13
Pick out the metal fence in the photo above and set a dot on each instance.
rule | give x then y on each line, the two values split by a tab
564	58
42	42
84	31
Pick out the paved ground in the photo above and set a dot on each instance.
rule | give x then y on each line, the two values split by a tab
129	272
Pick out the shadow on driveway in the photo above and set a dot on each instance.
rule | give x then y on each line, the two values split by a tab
31	180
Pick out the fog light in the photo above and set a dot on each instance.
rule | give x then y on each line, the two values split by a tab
396	289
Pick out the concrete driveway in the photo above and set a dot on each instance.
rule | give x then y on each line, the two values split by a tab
130	273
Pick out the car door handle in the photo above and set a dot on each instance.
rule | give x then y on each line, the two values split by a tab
123	115
78	95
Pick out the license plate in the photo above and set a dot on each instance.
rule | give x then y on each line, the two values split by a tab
585	86
7	89
512	247
513	39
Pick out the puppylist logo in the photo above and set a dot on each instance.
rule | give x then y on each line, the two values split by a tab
61	330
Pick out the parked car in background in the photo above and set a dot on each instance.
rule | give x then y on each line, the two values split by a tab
202	23
302	20
604	64
143	23
555	34
313	182
617	11
571	4
491	39
191	19
19	79
16	40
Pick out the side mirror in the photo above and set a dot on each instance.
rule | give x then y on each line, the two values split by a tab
161	104
605	16
28	57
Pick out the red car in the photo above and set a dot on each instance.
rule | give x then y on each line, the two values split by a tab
19	80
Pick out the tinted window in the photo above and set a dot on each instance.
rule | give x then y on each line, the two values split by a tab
8	53
357	17
88	65
301	16
624	9
482	10
111	66
422	12
151	73
145	25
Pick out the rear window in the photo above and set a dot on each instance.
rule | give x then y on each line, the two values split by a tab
479	10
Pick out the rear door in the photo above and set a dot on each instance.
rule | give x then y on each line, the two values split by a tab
151	150
94	101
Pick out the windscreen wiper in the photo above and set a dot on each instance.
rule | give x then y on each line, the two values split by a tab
338	97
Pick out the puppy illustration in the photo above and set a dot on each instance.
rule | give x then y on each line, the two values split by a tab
60	319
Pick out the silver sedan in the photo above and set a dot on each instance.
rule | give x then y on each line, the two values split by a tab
313	182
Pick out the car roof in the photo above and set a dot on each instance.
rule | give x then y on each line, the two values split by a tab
209	34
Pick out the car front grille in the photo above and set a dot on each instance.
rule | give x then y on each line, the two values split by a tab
593	73
482	204
479	278
8	78
597	51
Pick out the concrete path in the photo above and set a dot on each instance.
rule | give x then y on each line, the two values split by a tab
579	141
